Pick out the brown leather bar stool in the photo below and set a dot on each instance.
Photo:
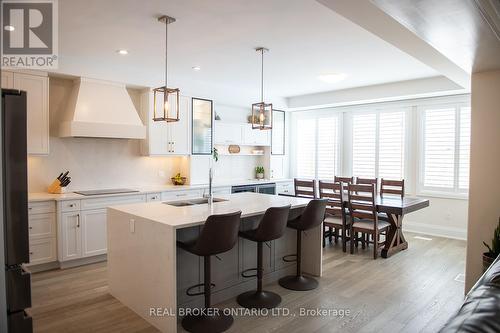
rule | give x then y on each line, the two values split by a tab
271	227
219	235
311	217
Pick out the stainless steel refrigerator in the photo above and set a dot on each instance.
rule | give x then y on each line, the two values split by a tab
15	210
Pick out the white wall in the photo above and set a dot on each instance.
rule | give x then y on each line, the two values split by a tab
484	193
446	217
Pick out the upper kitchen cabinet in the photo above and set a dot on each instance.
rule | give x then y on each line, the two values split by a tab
256	137
36	86
202	116
278	133
241	134
165	138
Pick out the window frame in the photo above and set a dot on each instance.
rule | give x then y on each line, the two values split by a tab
440	192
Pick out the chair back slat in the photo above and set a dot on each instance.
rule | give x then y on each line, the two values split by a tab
345	180
392	187
305	188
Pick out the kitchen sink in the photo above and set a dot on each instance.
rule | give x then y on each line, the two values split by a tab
192	202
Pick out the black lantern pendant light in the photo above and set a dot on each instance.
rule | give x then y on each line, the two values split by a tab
169	95
262	113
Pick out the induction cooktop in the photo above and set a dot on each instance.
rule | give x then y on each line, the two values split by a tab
107	191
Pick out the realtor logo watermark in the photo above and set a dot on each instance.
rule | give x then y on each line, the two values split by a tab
29	34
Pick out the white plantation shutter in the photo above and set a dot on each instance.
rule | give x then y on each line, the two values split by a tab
317	147
446	149
391	145
306	148
364	127
464	149
327	148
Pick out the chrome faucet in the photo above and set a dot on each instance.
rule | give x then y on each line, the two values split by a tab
210	196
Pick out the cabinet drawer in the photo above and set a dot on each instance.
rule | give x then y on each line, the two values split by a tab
153	197
41	207
220	190
42	250
42	225
99	203
285	188
179	195
70	205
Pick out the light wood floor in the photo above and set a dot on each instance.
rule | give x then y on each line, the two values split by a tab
413	291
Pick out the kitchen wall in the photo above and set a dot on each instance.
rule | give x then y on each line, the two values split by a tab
484	193
95	163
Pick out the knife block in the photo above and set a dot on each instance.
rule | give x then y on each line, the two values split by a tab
55	187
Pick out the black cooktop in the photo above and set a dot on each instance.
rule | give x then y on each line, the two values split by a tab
107	191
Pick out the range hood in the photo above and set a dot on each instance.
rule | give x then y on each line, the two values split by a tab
101	109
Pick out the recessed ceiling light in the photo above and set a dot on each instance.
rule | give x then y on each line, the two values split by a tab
333	77
196	68
122	52
9	28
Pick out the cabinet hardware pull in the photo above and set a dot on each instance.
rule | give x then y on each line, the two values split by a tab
72	205
31	253
78	220
30	228
30	208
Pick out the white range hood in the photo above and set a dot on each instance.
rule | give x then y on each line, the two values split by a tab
101	109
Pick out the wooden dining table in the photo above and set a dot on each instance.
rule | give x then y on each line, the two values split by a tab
396	208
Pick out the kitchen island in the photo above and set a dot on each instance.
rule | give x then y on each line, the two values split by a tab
149	274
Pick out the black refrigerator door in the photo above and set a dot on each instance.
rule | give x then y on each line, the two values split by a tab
18	289
15	178
20	322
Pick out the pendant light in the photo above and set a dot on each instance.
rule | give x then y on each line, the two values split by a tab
262	113
168	95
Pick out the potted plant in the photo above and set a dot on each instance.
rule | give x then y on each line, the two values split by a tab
494	250
259	172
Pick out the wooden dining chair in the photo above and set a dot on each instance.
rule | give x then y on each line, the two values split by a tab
345	180
305	188
368	181
335	220
393	187
361	201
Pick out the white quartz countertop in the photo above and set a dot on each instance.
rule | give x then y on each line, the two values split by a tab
249	203
41	196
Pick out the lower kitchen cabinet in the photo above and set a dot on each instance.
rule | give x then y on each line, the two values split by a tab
42	232
94	238
43	250
70	242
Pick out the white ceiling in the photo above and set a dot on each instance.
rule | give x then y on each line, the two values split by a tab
305	39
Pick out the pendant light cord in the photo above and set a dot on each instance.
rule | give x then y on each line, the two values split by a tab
166	51
262	76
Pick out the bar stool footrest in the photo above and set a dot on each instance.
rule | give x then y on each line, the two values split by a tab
248	270
189	293
287	258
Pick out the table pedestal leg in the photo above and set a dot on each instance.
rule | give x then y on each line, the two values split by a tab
395	240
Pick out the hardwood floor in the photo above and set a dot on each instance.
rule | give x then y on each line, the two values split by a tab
413	291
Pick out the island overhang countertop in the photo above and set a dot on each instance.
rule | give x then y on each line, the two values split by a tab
250	204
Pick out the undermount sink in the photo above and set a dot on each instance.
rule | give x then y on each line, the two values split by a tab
192	202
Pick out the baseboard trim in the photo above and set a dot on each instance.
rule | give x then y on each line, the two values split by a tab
435	230
83	261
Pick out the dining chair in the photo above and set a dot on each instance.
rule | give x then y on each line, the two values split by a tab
393	187
305	188
335	220
361	199
368	181
345	180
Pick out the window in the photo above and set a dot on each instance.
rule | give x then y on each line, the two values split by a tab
445	149
378	144
317	147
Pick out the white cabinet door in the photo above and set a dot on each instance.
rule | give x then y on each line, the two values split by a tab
227	133
71	233
42	251
179	131
41	226
7	80
37	93
94	241
277	164
255	137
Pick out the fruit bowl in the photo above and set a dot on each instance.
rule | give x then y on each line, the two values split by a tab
178	181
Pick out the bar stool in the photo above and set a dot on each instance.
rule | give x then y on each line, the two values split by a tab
219	235
272	226
311	217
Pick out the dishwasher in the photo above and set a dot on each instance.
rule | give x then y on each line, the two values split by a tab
269	188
